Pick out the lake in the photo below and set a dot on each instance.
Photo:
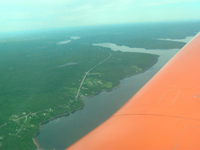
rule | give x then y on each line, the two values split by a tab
64	131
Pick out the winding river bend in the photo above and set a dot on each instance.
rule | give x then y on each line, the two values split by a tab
64	131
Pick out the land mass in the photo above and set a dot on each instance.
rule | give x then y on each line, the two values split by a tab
41	79
36	90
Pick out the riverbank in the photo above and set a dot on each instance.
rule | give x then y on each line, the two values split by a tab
104	90
95	94
98	107
61	115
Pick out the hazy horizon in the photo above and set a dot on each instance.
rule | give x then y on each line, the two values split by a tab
83	27
24	15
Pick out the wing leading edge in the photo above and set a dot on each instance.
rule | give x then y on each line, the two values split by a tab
163	114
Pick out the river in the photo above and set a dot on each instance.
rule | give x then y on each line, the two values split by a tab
64	131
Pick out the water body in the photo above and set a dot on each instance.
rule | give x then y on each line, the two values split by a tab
178	40
68	41
64	42
62	132
67	64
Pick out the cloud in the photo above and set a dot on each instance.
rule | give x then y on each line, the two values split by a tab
167	2
34	14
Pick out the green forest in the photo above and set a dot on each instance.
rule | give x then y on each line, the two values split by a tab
41	79
38	84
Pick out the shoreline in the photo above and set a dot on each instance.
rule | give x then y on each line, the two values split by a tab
119	82
61	115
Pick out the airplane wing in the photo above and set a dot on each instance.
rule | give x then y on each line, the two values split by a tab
163	114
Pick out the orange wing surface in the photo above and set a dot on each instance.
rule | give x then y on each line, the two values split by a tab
163	114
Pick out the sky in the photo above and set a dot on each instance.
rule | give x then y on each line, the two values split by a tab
19	15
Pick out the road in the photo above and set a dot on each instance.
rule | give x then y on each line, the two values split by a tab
87	74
